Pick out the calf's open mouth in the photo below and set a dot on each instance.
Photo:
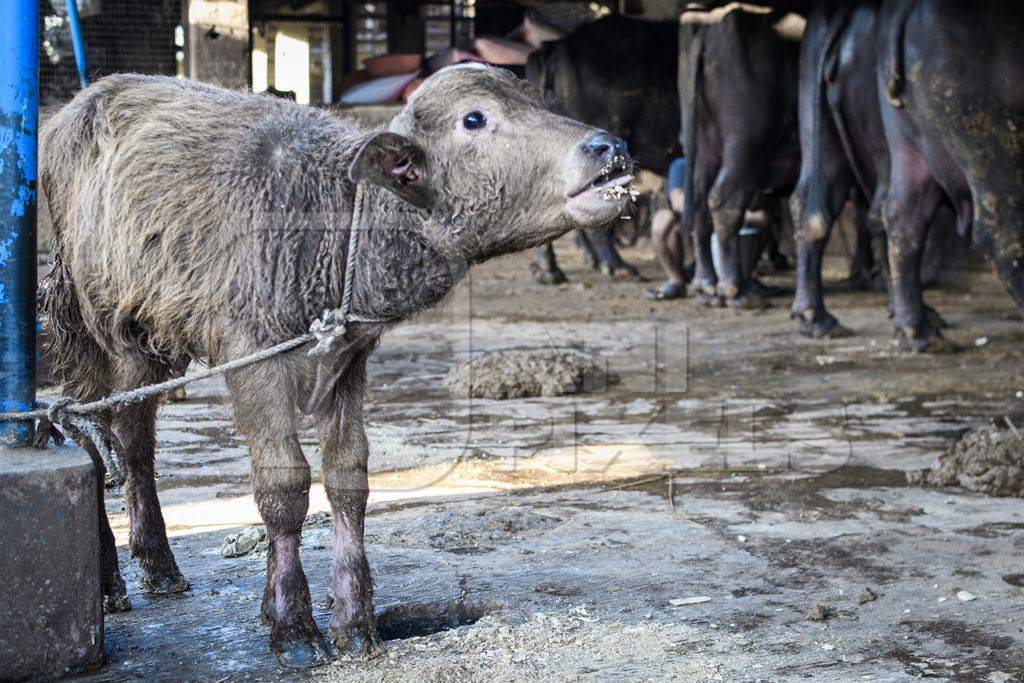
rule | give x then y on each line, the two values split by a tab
618	172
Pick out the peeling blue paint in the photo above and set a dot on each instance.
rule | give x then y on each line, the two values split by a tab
19	105
26	197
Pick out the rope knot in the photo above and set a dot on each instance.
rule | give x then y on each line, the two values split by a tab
56	412
328	327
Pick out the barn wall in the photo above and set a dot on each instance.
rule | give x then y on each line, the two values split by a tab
218	42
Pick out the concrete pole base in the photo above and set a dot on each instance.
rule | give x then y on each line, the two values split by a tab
49	563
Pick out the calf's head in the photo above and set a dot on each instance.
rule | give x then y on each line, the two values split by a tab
492	170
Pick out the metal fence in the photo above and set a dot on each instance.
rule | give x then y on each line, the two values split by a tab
120	35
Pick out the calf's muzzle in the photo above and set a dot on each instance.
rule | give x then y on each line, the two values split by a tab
605	146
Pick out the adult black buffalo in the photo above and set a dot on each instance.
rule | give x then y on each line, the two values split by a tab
618	74
737	84
949	77
844	157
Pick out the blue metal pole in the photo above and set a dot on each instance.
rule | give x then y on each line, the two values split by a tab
78	43
19	115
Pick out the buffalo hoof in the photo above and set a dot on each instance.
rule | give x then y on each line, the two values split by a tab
548	276
930	341
620	271
164	585
759	288
822	326
860	281
780	263
868	280
357	641
934	319
118	602
728	291
302	654
748	302
709	299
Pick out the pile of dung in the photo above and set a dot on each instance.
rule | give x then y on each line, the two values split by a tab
988	460
522	374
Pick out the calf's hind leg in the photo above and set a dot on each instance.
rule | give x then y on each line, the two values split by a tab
264	405
115	594
135	427
343	444
84	371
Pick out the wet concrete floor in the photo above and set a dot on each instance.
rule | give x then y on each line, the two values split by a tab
549	537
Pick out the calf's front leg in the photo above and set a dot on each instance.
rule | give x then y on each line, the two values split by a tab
343	444
264	402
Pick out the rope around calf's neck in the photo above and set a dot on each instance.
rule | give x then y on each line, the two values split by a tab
76	417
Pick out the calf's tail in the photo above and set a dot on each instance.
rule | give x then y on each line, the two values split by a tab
68	142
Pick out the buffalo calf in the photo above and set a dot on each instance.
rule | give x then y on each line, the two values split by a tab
196	223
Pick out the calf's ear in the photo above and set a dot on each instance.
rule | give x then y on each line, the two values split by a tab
396	164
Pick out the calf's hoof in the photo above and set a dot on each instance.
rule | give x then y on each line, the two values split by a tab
548	276
165	584
117	602
176	395
357	641
301	654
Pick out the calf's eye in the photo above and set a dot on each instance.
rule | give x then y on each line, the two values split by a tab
474	120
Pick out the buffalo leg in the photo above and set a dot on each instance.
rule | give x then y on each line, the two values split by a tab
909	208
353	626
544	266
612	263
586	245
95	385
735	283
811	239
705	276
809	303
863	271
728	201
998	221
135	427
281	480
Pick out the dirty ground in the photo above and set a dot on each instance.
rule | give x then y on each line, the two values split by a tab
735	508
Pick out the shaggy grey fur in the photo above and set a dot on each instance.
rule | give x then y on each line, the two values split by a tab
192	222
